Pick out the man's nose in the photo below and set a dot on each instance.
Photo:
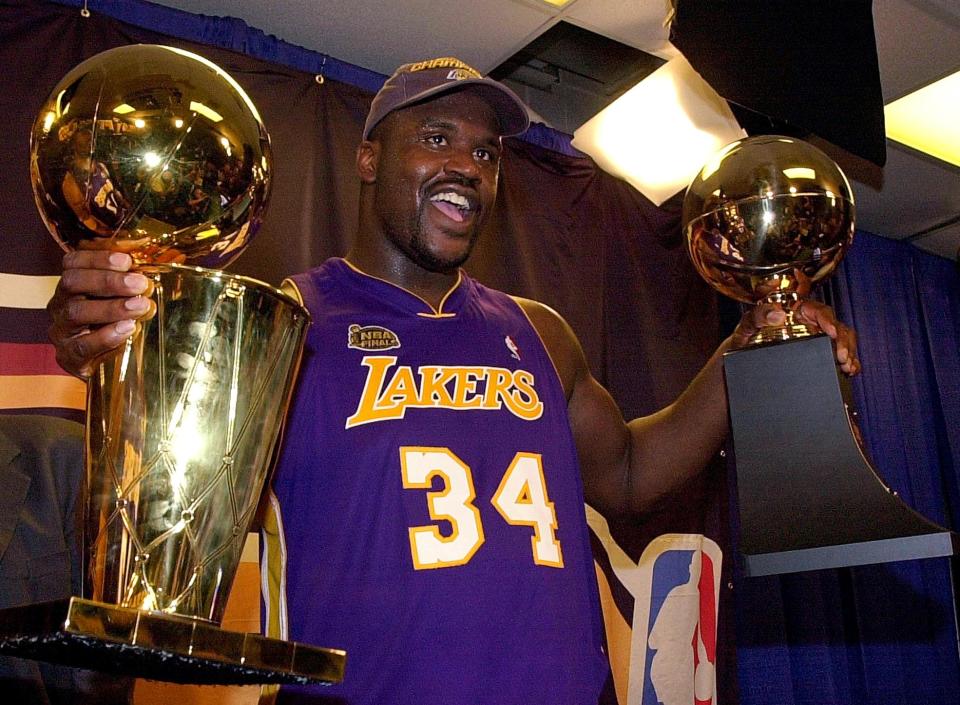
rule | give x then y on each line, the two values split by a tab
462	163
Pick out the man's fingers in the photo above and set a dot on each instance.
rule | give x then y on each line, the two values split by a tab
78	312
80	353
755	318
815	314
845	338
102	274
818	314
846	342
770	316
97	259
102	283
96	307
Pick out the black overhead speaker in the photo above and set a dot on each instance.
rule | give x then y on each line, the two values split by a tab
798	68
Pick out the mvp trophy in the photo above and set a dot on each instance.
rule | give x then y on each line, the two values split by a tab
766	219
159	153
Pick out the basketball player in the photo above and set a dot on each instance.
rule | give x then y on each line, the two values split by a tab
427	511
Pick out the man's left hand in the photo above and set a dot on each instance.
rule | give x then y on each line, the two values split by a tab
810	312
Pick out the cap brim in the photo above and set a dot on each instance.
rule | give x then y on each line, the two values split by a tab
510	111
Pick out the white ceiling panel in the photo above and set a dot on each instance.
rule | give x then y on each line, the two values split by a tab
944	242
631	22
381	35
918	41
918	193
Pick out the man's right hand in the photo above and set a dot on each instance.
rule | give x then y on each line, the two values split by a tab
96	307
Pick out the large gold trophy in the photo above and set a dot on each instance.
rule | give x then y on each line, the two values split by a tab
767	219
159	153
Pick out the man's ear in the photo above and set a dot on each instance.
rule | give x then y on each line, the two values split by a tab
368	155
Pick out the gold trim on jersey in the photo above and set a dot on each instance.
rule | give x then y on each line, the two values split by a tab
543	343
434	312
289	287
273	571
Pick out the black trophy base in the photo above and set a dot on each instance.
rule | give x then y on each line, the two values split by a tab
808	498
93	635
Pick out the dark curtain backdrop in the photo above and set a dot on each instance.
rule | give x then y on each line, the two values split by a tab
881	633
568	234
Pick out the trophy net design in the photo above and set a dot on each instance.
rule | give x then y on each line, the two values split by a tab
158	152
176	442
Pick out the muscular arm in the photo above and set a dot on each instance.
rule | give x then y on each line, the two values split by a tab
626	467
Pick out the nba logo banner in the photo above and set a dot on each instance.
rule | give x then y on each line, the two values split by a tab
673	636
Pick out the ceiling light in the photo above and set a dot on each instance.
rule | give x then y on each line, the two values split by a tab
557	3
659	134
124	109
800	172
209	113
225	76
927	119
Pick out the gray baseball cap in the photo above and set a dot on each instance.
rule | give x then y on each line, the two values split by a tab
424	80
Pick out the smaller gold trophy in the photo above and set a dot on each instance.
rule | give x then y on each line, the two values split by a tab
767	219
159	153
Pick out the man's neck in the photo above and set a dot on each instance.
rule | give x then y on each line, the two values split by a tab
400	271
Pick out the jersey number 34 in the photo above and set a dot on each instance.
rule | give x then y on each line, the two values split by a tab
521	499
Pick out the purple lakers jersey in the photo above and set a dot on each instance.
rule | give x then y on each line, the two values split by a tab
427	511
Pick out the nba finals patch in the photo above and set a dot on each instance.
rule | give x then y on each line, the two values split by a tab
371	338
672	654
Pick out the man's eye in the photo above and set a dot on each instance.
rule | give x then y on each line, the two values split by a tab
485	154
438	140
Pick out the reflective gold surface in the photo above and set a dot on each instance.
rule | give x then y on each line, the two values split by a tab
154	151
182	426
766	219
165	647
159	153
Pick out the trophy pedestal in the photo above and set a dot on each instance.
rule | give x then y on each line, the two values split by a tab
808	496
88	634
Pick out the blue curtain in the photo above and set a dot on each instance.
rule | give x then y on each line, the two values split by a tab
882	633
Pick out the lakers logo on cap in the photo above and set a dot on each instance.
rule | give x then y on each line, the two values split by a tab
461	74
371	338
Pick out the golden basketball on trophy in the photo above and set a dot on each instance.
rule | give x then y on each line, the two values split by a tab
158	152
766	219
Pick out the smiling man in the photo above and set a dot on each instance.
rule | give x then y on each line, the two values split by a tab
427	512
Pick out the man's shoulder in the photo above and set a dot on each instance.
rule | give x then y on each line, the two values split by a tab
558	338
546	320
303	285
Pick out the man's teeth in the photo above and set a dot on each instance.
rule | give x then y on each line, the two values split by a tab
456	199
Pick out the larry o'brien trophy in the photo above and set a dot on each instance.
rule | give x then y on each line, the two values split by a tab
157	152
766	219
